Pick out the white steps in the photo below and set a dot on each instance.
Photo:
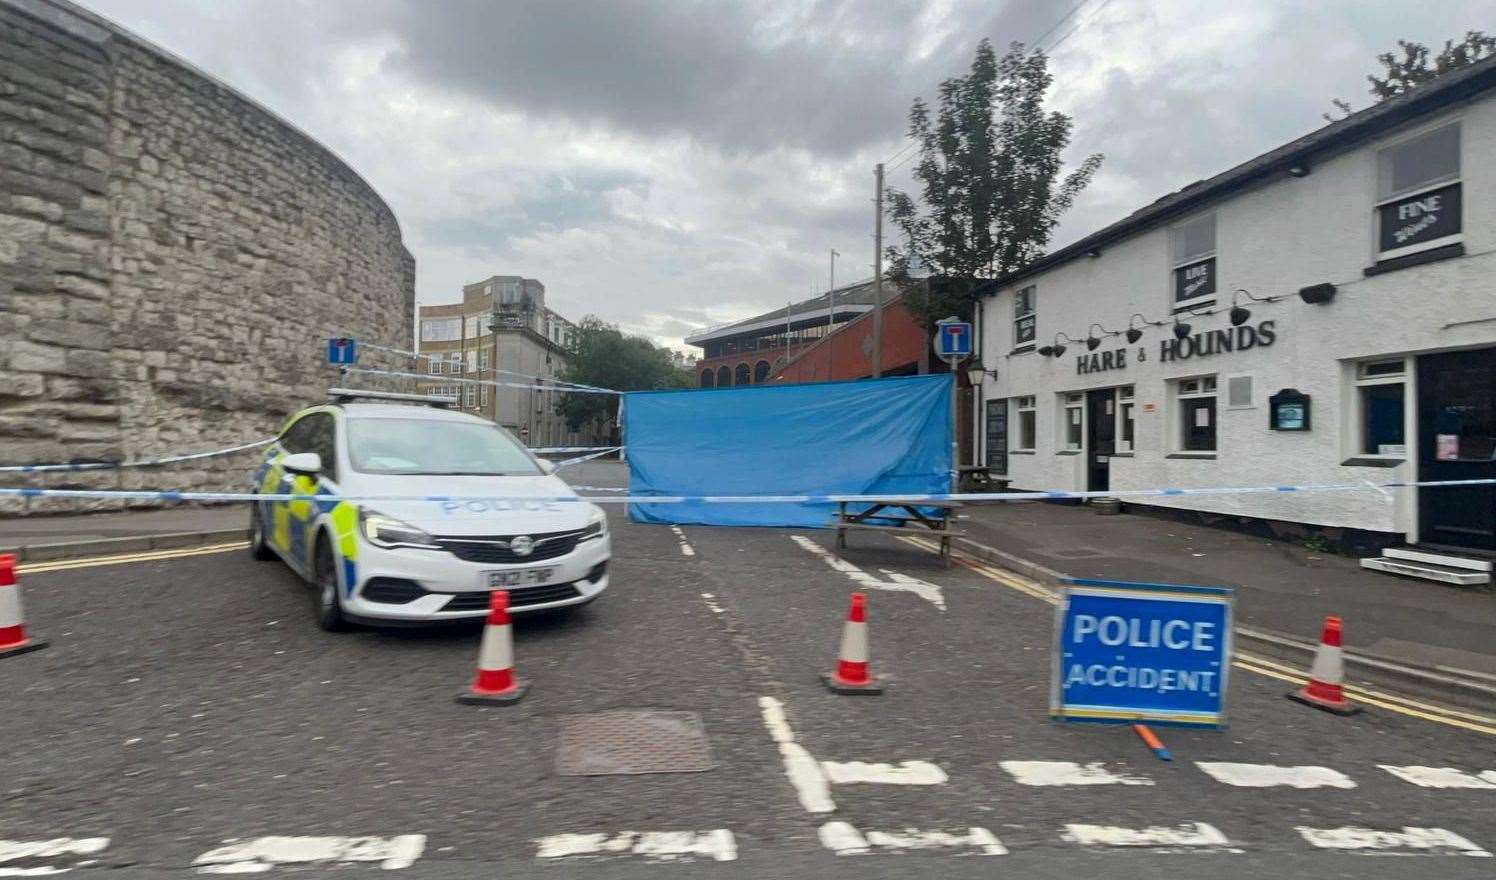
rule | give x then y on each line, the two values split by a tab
1461	570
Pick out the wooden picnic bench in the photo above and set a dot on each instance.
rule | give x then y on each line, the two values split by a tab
907	517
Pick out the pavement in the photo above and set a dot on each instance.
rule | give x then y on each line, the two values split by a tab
189	716
1281	587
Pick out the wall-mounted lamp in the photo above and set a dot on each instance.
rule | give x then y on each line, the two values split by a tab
1317	294
1092	340
1058	349
1240	314
975	373
1134	332
1181	329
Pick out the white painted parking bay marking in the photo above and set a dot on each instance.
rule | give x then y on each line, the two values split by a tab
655	846
1409	839
907	773
896	583
44	857
1189	834
844	839
801	768
259	854
1442	777
1270	775
1068	773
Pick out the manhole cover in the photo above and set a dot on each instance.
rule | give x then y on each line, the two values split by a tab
1073	553
611	743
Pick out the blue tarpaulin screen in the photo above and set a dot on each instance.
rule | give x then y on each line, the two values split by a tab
883	436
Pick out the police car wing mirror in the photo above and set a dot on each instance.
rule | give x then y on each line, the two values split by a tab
307	464
548	466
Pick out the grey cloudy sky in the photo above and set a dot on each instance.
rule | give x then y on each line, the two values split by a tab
670	164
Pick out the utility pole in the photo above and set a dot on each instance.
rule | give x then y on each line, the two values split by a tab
831	313
493	329
878	273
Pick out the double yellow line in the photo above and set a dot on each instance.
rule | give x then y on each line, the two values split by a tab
1248	662
119	559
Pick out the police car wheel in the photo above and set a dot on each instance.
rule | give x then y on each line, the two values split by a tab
257	546
329	608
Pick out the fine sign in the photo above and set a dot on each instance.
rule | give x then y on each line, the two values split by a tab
1129	652
953	339
342	350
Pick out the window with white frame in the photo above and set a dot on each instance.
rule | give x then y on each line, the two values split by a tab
454	362
1194	248
475	324
1418	193
1126	427
434	363
472	360
483	395
472	395
1027	423
1074	423
482	358
1025	318
1381	408
1196	404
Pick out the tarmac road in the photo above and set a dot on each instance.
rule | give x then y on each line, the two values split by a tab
190	700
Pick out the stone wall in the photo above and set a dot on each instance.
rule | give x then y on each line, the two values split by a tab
172	258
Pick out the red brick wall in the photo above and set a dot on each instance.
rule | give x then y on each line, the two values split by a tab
847	353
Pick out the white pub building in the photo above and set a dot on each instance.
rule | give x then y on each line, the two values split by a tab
1324	313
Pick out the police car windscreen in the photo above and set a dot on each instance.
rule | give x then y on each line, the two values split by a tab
429	446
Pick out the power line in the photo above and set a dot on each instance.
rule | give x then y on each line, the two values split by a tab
1074	9
1078	25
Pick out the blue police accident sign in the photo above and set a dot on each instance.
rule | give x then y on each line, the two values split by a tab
1129	652
342	350
954	339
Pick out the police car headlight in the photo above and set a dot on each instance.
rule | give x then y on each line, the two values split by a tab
597	524
387	531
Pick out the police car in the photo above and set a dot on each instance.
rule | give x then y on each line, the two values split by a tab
416	562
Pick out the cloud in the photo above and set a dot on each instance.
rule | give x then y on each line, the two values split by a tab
669	164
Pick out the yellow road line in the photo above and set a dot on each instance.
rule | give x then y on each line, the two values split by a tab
1250	663
120	559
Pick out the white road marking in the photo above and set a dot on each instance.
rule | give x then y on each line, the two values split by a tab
1442	777
711	602
654	846
685	547
1189	834
1408	839
907	773
1269	775
1068	773
37	850
896	583
845	840
260	854
801	768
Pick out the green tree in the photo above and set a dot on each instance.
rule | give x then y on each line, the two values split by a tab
603	356
991	190
1415	66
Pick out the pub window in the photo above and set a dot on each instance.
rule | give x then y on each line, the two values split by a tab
1125	422
1075	420
1196	400
1381	396
1418	195
1194	249
1024	317
1027	424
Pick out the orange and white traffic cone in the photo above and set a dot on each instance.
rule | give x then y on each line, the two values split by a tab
13	638
851	675
495	682
1325	689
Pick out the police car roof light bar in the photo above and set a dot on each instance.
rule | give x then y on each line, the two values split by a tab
347	395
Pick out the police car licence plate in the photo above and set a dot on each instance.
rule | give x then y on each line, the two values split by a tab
517	578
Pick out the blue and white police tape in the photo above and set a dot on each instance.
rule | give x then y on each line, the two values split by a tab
733	499
439	379
111	465
552	449
581	458
441	359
